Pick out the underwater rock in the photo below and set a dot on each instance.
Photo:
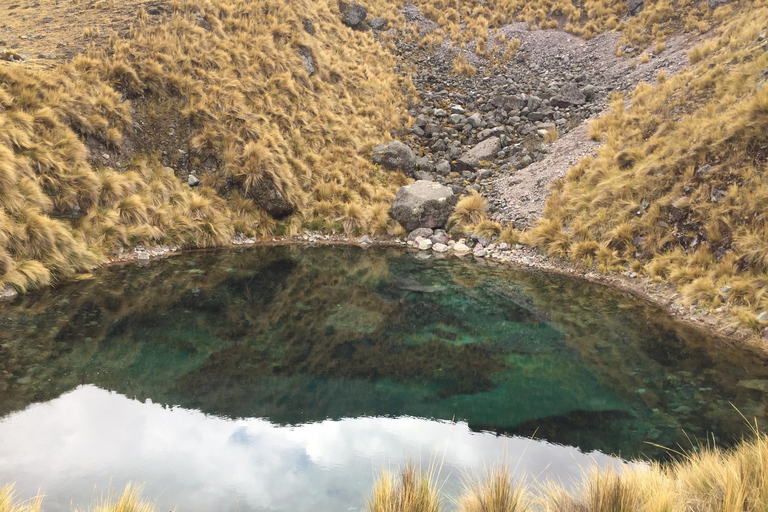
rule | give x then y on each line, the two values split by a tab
423	204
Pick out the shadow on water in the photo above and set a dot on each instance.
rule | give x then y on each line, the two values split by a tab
300	335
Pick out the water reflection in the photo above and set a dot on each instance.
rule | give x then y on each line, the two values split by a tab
196	462
271	343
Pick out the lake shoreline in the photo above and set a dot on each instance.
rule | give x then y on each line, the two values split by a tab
661	294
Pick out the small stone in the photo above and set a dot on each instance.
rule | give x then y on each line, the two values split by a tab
762	317
481	253
192	180
425	245
9	292
438	247
365	239
725	289
461	247
420	233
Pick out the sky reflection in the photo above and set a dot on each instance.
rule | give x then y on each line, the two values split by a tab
88	440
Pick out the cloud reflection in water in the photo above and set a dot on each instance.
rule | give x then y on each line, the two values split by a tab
93	439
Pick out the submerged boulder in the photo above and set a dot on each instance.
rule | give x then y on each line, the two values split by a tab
395	156
423	204
485	151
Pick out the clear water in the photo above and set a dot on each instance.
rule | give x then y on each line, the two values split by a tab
283	379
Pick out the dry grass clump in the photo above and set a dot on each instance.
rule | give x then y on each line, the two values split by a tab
469	210
9	503
461	66
410	491
706	479
678	186
129	500
496	492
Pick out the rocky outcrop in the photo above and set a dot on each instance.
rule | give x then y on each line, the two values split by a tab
268	196
485	151
423	204
395	156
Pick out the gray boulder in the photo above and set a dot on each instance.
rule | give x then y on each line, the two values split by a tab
569	96
353	14
377	23
394	156
268	196
635	6
486	150
423	204
420	232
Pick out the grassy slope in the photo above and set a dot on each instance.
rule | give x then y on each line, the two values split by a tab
678	191
253	117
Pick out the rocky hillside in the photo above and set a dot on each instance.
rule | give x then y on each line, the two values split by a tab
193	123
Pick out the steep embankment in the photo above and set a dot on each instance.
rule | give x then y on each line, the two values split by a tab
198	121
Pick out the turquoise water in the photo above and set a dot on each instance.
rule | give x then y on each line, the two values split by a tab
283	378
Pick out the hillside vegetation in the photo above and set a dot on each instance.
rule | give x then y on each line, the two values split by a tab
678	191
223	85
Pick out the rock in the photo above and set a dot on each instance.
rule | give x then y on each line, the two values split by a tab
460	247
443	167
425	245
475	120
714	4
377	23
394	156
420	232
456	118
438	247
192	180
8	293
481	253
485	151
309	27
365	239
765	334
569	96
762	317
725	289
423	204
268	196
353	14
635	6
588	91
309	62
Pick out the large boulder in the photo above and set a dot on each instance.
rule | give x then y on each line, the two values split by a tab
486	150
268	196
423	204
395	156
570	95
353	14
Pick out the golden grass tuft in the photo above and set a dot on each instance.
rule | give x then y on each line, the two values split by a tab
469	210
409	491
496	492
461	66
